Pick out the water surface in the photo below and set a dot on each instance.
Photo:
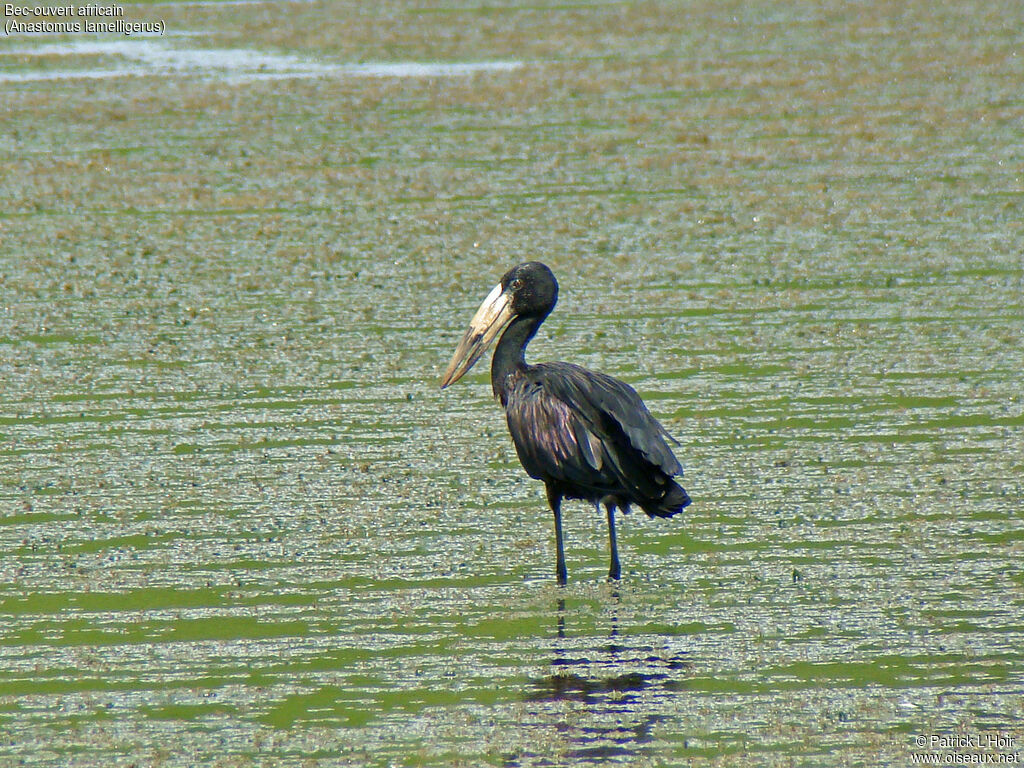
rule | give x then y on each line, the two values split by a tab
240	525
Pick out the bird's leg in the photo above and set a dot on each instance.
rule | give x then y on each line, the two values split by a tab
555	500
560	571
614	572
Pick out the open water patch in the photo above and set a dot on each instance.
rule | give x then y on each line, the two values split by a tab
153	57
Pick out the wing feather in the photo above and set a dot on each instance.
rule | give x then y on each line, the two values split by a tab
551	441
601	397
588	432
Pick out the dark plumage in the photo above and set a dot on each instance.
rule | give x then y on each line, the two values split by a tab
586	435
590	436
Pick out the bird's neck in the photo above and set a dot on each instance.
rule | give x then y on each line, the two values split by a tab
510	354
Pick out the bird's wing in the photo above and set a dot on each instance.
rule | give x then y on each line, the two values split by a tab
588	431
552	441
603	403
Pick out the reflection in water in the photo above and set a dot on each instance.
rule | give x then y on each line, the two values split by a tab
614	683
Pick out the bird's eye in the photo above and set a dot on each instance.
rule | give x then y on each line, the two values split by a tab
516	284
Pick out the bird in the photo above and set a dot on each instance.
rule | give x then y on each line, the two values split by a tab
588	436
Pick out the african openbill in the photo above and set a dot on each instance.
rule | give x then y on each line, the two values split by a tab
588	436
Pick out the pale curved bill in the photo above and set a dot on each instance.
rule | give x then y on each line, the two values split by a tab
490	319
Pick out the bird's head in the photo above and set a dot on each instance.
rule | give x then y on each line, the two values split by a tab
526	290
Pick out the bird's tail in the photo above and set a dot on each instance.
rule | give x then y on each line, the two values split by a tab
672	503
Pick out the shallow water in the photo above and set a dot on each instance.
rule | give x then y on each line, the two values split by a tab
240	525
151	56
